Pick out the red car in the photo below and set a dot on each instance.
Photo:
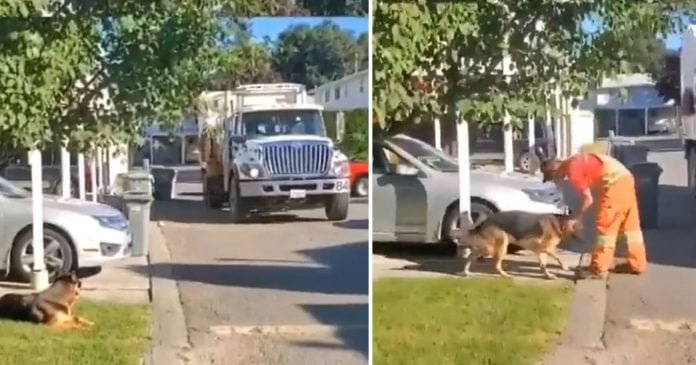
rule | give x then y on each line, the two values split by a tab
359	173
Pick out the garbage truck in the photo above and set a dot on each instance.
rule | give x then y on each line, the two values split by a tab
263	148
688	106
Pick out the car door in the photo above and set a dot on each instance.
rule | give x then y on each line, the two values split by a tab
399	197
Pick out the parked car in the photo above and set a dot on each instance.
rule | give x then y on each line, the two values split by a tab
359	172
77	233
416	194
489	141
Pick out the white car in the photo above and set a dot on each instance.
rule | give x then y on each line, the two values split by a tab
415	194
77	234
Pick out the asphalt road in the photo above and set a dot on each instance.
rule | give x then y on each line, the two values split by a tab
299	280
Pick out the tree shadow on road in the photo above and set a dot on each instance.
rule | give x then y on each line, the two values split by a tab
188	211
340	269
352	321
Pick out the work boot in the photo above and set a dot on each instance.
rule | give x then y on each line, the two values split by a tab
625	268
589	274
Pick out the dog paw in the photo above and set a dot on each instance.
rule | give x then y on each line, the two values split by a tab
551	276
565	267
463	274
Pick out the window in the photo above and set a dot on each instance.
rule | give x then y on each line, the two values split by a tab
362	85
327	96
605	121
631	122
345	90
337	93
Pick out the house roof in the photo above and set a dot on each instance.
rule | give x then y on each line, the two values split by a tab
627	80
334	82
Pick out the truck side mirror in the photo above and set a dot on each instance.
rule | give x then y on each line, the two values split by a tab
238	139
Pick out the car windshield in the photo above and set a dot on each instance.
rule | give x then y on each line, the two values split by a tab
426	153
10	190
283	122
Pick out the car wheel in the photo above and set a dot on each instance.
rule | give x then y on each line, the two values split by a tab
58	255
528	162
361	187
479	212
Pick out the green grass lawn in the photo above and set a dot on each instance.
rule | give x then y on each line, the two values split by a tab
465	321
120	336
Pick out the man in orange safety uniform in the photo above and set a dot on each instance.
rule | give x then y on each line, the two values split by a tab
617	213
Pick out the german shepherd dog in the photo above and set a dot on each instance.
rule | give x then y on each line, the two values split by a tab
52	307
539	233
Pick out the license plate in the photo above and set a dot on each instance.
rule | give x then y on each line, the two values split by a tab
298	194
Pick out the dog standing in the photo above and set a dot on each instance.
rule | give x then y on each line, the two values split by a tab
539	233
52	307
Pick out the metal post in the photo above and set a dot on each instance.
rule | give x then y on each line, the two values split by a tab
81	175
93	175
508	143
437	129
464	174
100	169
183	149
531	135
39	275
65	172
558	126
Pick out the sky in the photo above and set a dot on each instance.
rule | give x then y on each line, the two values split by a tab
672	41
271	27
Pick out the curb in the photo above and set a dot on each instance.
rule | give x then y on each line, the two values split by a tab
585	331
169	335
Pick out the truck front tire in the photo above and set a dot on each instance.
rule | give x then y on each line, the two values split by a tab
211	194
336	207
239	212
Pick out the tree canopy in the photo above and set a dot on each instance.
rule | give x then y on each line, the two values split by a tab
315	55
454	53
60	60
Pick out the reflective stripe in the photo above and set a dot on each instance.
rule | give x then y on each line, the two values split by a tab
622	239
613	169
633	237
606	240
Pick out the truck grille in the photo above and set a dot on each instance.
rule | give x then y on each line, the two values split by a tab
297	158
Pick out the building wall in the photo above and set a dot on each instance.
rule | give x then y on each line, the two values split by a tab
348	93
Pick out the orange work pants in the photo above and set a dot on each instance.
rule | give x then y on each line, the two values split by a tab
618	221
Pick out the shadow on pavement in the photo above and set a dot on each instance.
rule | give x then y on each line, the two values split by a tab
195	212
343	269
353	320
361	224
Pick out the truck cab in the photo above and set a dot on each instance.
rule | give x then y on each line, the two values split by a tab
275	155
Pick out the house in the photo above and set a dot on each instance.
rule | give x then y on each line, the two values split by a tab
630	106
347	93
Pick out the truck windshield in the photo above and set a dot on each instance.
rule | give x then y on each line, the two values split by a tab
283	122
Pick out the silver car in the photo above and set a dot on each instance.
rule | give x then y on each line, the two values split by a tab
415	194
77	233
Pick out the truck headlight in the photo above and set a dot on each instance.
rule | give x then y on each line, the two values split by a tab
341	169
250	171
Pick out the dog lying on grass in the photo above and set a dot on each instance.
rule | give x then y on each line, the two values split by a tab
539	233
52	307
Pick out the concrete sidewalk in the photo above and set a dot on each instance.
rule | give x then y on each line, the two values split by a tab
116	282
